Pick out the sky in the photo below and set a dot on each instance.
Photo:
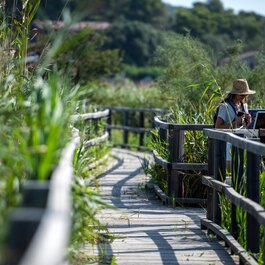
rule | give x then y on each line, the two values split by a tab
258	6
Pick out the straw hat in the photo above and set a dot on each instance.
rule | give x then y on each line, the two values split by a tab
240	87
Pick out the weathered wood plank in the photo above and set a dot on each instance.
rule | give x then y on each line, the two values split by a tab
256	210
86	116
237	141
147	232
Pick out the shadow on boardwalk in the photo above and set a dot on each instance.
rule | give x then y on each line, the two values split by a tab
146	231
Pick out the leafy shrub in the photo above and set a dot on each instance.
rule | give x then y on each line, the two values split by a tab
148	73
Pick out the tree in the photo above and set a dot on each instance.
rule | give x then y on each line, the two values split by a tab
52	9
81	54
148	11
135	39
188	65
215	6
100	10
209	21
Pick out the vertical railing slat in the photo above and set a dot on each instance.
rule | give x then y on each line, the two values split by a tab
125	123
210	173
141	125
237	178
176	152
219	174
109	122
253	228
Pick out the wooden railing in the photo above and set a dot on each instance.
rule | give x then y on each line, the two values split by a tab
173	135
39	230
92	119
144	116
88	117
243	141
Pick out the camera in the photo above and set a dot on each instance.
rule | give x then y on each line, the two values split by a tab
240	113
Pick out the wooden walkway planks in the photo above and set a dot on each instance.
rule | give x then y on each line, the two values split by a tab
148	232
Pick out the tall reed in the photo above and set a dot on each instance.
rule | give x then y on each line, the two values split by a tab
34	110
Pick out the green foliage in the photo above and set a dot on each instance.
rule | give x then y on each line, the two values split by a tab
135	39
188	67
50	107
194	81
81	55
35	110
194	140
34	113
210	20
199	92
87	228
21	16
161	147
157	173
256	80
125	93
148	11
142	73
54	9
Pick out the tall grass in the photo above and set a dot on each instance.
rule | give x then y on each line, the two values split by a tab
198	85
35	109
87	228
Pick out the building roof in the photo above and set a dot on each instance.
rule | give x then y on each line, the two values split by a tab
249	57
44	25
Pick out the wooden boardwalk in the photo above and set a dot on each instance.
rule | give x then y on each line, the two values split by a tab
147	232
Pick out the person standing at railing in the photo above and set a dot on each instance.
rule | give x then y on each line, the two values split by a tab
233	112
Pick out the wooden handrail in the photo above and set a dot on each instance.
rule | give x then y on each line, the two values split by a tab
96	141
129	109
241	140
87	116
178	165
233	137
253	208
173	136
139	129
188	127
45	221
49	243
127	128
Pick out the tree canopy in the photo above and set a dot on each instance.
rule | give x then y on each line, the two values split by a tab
207	21
135	39
218	27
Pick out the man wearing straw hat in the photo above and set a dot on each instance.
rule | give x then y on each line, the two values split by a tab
233	112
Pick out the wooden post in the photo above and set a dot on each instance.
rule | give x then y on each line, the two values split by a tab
263	258
109	122
153	123
162	134
210	173
253	228
96	125
22	225
35	193
237	175
176	152
89	125
219	174
141	125
125	123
